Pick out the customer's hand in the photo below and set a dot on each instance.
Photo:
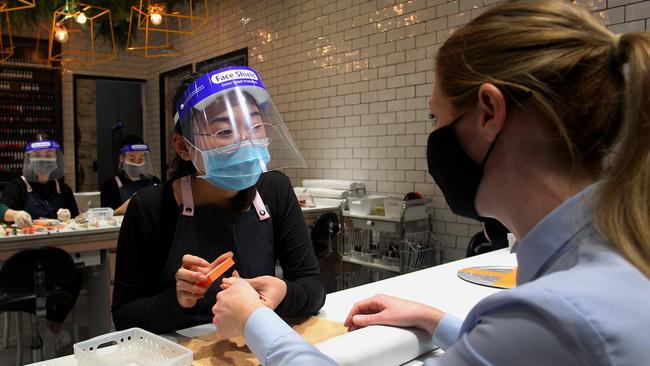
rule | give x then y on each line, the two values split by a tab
63	214
271	290
234	306
388	310
193	270
23	219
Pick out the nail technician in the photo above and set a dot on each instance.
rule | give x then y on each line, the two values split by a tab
40	192
225	198
134	175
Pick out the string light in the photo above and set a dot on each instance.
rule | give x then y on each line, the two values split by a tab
61	33
81	18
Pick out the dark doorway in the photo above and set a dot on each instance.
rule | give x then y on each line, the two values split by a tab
106	109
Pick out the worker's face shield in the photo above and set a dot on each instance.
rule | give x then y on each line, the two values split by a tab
232	127
43	161
135	161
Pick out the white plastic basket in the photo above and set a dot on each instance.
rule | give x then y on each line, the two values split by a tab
131	347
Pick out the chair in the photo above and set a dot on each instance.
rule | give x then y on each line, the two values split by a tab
30	280
494	236
324	238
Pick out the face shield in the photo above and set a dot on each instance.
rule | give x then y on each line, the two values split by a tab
43	161
135	162
233	130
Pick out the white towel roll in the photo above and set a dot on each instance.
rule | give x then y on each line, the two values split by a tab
333	183
328	192
377	345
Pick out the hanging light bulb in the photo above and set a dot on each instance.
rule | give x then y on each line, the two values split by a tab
156	19
61	33
81	18
155	13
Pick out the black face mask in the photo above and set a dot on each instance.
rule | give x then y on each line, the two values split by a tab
457	175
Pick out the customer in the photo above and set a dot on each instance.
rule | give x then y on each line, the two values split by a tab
530	99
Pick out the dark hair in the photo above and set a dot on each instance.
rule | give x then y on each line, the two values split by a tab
179	167
130	140
574	66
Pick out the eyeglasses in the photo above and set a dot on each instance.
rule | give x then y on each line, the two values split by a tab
228	140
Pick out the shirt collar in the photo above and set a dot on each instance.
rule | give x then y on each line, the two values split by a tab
552	234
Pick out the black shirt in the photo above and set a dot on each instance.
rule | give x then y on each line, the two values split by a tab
110	192
15	195
146	236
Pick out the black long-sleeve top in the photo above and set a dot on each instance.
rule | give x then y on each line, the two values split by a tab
110	192
15	195
146	236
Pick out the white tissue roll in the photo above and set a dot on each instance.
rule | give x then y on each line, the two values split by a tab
333	184
328	192
377	345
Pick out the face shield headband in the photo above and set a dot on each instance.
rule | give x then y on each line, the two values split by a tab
134	147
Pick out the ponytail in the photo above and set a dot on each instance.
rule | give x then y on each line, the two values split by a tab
623	208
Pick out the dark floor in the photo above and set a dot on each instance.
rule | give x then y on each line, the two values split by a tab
8	355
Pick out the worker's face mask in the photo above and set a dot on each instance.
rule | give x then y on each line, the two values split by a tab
43	166
457	175
235	171
134	170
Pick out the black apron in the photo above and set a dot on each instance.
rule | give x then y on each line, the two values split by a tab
38	206
208	232
129	189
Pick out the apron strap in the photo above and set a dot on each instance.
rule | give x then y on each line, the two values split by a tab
118	181
29	188
262	213
186	194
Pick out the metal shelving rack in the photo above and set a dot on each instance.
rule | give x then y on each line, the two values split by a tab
372	233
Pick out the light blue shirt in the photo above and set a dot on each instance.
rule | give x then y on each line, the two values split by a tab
577	302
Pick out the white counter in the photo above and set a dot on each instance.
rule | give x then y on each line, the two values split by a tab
437	286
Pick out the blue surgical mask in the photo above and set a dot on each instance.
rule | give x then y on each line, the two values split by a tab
238	170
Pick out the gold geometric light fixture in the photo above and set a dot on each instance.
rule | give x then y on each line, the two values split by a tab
11	5
151	25
7	45
6	42
75	26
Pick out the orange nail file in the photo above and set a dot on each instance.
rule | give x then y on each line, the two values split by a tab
217	271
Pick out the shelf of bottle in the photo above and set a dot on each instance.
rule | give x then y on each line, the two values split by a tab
27	125
36	80
46	92
9	101
23	114
12	65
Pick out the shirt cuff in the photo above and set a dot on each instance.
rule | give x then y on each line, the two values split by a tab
263	328
446	333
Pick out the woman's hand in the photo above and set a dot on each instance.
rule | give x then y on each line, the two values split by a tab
193	270
234	306
388	310
271	290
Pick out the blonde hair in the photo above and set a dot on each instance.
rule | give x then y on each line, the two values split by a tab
571	68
